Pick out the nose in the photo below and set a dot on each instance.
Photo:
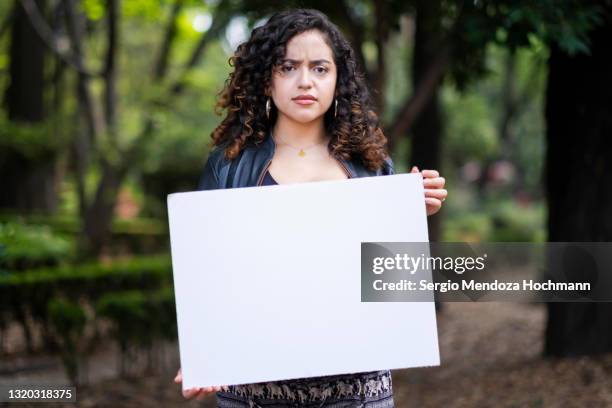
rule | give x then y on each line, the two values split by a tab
305	81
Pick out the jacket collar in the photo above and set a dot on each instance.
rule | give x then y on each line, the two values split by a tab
250	166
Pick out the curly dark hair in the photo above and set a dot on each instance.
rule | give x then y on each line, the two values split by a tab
355	132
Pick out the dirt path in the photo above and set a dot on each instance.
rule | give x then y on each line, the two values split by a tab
490	357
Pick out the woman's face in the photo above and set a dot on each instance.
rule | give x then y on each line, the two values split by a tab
307	70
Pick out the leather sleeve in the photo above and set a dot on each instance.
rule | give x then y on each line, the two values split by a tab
209	179
388	166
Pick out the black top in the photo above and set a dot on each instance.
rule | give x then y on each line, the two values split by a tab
268	180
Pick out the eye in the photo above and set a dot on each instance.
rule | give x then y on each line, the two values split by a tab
286	68
321	69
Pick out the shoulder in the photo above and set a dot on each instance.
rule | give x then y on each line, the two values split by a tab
216	157
387	167
210	178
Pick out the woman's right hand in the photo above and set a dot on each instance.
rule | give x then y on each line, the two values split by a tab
198	393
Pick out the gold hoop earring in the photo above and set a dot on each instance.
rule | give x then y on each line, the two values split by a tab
336	108
268	108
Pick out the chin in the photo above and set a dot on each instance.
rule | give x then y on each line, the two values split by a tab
306	117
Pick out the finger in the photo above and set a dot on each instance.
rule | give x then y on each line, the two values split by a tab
190	392
430	173
436	192
201	395
194	392
436	182
178	379
433	205
204	392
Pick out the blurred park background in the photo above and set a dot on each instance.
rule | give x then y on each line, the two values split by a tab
107	107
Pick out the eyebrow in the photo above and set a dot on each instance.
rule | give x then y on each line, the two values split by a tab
319	61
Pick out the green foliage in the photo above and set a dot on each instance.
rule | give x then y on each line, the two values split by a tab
467	228
87	280
25	296
471	130
147	9
500	116
175	160
136	235
29	292
187	23
30	246
31	140
513	25
512	224
93	9
504	224
70	224
68	320
397	81
128	312
140	317
566	24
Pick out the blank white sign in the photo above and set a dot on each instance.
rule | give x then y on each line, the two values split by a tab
267	281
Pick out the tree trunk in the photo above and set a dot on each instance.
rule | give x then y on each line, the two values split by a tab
28	183
99	215
578	174
427	130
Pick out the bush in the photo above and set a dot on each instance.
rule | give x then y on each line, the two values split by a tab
27	293
466	228
512	224
140	316
137	235
68	321
139	319
31	246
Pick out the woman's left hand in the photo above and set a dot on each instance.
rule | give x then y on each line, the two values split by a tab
434	193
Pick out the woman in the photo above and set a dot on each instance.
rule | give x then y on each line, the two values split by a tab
298	111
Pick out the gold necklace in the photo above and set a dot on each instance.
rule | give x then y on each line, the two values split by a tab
301	152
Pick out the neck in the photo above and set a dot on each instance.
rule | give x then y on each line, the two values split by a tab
299	134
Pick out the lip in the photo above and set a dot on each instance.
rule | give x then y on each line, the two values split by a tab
305	98
304	101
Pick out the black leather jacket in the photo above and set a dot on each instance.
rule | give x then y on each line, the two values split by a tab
249	167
